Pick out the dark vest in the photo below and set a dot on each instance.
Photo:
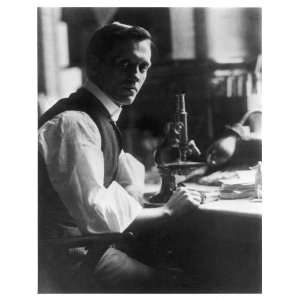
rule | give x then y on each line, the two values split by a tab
54	218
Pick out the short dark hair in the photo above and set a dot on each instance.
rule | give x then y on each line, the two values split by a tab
105	38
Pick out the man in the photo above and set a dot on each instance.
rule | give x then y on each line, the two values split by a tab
87	183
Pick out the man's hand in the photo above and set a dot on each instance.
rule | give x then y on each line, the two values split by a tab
183	201
180	203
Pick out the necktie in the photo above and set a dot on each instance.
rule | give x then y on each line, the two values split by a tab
118	132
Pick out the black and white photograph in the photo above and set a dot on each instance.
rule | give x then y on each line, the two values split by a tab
149	150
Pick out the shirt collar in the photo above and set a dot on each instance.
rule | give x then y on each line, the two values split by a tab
113	109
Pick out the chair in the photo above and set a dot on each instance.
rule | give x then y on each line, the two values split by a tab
54	253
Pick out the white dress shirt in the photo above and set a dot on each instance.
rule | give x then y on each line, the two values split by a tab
70	144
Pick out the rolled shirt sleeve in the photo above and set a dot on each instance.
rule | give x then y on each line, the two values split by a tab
131	172
70	144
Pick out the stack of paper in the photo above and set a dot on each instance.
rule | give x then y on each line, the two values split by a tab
208	193
239	188
238	191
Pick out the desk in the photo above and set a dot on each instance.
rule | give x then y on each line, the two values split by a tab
242	207
220	245
238	206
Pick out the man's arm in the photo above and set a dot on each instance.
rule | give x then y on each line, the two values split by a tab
131	175
180	204
71	146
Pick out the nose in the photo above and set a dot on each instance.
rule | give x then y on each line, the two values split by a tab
134	73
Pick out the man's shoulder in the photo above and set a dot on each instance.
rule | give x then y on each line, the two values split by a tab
73	116
70	119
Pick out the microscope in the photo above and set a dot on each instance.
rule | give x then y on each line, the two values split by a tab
174	153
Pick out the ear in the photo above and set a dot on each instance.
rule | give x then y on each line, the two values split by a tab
93	64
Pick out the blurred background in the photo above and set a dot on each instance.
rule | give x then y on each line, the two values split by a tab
211	54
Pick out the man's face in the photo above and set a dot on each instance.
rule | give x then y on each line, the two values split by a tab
123	72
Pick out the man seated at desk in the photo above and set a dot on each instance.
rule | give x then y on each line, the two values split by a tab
87	183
